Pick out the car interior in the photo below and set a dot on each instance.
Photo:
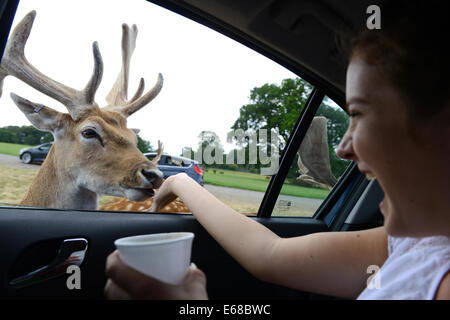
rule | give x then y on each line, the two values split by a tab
307	37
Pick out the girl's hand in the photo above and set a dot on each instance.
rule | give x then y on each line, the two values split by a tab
126	283
166	193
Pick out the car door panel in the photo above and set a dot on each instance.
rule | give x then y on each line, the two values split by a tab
40	155
31	238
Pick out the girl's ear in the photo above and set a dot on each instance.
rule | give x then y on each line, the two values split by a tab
40	116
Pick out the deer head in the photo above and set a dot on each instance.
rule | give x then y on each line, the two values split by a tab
94	152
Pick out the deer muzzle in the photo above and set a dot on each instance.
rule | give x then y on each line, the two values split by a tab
154	177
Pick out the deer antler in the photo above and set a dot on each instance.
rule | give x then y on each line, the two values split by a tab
117	97
313	160
15	63
118	94
159	153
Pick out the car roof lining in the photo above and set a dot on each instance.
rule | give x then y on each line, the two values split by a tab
310	33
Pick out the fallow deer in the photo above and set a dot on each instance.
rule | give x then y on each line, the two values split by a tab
94	152
123	204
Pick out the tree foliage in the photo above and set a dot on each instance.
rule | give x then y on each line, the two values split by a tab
210	149
144	145
273	106
279	106
209	138
28	135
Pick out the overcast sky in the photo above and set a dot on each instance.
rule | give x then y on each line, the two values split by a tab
207	77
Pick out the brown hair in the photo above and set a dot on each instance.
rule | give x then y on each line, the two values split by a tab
410	50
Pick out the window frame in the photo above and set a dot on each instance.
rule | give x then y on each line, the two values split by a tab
7	14
321	89
287	157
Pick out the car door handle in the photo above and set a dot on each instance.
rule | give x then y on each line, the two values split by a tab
71	252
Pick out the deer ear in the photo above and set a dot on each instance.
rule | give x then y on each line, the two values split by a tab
40	116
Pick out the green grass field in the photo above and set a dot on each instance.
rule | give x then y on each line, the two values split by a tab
14	183
11	148
257	182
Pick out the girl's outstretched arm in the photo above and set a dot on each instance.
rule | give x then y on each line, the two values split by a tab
332	263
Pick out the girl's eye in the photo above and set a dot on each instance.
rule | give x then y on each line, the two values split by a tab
89	134
354	114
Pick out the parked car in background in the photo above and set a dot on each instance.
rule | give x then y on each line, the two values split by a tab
35	154
170	165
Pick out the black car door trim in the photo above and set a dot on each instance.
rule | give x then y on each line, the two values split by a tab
7	13
301	127
36	234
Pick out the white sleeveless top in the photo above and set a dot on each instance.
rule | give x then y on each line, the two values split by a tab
413	271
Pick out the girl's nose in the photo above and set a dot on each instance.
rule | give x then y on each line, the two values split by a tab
345	148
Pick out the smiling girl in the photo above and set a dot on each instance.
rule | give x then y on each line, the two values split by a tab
398	81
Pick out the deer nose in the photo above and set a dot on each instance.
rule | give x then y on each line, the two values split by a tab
155	177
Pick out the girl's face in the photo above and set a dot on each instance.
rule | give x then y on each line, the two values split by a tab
411	163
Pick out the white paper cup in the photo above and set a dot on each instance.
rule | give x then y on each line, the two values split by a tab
164	256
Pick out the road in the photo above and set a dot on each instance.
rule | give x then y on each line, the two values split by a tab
247	201
14	161
244	201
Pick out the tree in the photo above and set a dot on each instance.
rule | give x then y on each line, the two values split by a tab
28	135
272	106
210	149
279	106
6	135
144	145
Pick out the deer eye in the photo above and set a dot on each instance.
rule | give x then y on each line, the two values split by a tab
89	134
